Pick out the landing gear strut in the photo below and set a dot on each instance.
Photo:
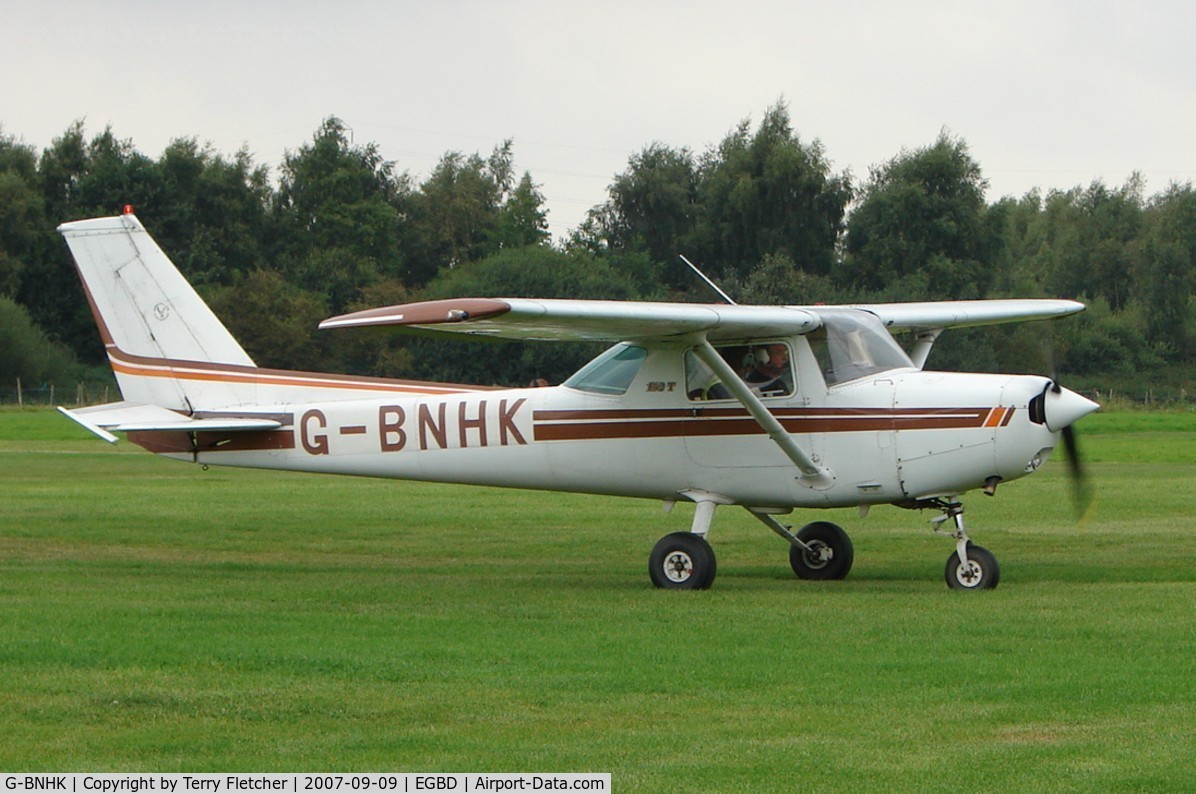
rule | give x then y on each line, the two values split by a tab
971	567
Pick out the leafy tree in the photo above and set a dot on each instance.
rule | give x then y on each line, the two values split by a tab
470	208
1092	239
60	170
768	193
1106	341
778	281
1023	256
754	195
212	215
1165	270
522	220
80	179
919	230
27	353
116	174
377	352
653	208
21	211
337	215
275	321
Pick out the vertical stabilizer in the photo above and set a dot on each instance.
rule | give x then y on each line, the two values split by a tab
152	321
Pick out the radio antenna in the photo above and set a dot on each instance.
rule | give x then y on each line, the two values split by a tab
705	278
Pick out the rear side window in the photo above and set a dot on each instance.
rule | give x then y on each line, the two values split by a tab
854	344
610	373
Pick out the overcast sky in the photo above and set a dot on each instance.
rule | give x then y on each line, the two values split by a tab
1046	94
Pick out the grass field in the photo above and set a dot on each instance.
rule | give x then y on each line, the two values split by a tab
154	616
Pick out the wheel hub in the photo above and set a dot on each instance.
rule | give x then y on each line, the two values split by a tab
818	554
969	574
678	567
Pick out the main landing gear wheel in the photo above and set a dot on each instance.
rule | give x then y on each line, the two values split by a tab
682	561
980	573
829	555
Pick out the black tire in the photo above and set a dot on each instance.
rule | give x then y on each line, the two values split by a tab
830	556
682	561
982	572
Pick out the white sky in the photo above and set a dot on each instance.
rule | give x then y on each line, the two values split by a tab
1046	94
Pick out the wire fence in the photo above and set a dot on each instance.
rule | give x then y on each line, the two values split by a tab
71	394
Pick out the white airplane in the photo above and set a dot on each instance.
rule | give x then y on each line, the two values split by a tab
769	408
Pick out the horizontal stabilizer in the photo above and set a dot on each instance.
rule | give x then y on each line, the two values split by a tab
128	417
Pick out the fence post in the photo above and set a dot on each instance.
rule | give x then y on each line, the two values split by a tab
20	399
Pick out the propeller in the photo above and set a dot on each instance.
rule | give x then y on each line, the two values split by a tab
1060	412
1081	487
1065	409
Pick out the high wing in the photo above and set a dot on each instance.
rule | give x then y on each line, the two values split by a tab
612	321
585	320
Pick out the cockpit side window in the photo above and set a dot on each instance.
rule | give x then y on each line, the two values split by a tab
854	344
764	366
610	373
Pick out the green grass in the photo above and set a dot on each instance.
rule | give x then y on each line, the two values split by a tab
154	616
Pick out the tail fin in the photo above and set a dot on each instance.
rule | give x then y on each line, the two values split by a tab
154	325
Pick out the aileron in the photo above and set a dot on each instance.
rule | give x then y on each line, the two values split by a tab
959	314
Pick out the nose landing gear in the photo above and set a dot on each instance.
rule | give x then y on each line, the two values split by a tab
971	567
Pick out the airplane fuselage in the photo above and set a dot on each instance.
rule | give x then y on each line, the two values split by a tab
894	437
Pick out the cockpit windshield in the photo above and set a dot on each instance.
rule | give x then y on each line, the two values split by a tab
854	344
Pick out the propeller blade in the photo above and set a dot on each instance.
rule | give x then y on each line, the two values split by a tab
1081	488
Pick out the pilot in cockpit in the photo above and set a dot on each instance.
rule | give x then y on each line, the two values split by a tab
771	375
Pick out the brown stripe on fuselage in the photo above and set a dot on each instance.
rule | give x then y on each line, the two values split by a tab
702	422
178	441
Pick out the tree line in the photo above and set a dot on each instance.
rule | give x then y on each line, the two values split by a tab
339	228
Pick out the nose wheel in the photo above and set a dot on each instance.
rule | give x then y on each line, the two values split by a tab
978	571
971	567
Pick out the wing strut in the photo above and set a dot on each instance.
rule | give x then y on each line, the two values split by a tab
812	475
923	341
